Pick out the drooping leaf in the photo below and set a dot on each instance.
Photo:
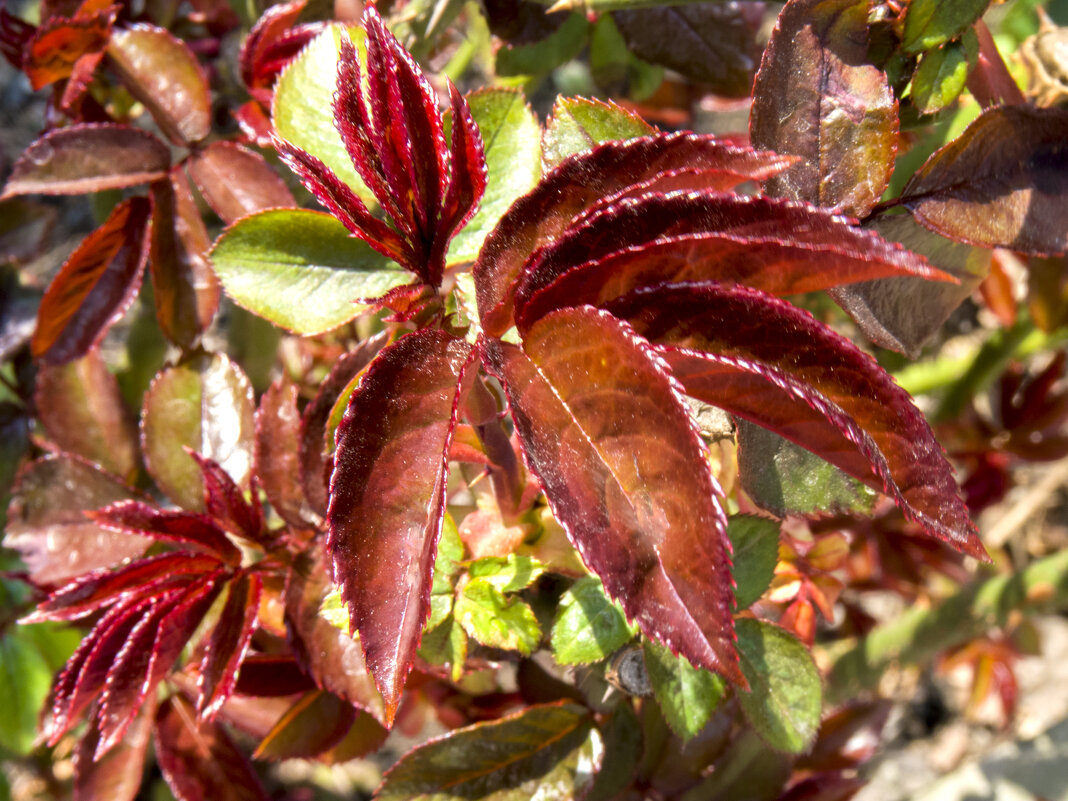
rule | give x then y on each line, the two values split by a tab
236	181
588	626
1001	183
161	71
301	270
578	124
24	680
929	23
755	542
785	697
277	462
387	496
940	77
88	158
817	96
491	619
228	643
117	775
687	695
204	403
94	287
552	751
605	429
82	411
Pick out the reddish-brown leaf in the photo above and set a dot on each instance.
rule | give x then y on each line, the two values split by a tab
277	453
59	43
1001	183
269	28
88	158
387	496
116	776
94	287
228	643
162	72
185	289
225	501
579	183
817	96
184	528
819	390
199	760
608	433
236	181
271	676
316	723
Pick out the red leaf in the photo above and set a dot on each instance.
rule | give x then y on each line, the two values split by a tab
88	158
579	183
819	390
270	27
271	676
225	501
277	453
607	431
387	496
94	287
117	776
58	44
15	34
228	643
185	528
236	181
199	761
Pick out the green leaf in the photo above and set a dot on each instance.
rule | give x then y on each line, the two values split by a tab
450	552
784	700
551	752
511	138
25	677
562	45
334	611
303	112
578	124
495	621
942	73
510	573
929	23
301	270
755	541
446	644
687	695
588	627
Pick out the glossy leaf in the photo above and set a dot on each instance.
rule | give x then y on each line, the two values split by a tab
259	52
817	96
387	495
755	542
117	775
687	695
200	531
491	619
301	270
228	643
942	73
510	573
784	699
552	751
578	124
94	287
82	411
277	462
88	158
607	432
588	626
161	71
1001	183
236	181
225	501
929	23
203	403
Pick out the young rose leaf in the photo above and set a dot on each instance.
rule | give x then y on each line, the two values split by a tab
236	181
784	699
60	43
940	77
316	722
581	182
301	270
203	403
184	288
117	775
88	158
491	619
199	760
1001	183
387	495
24	680
605	429
821	392
228	643
446	644
94	286
225	501
588	626
272	33
578	124
687	695
82	412
929	23
551	746
817	96
162	72
277	459
755	542
178	527
510	573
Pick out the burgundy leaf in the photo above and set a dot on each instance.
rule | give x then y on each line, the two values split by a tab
236	181
607	431
15	34
116	776
271	26
58	44
387	496
820	391
88	158
185	528
580	182
817	96
1001	183
225	501
228	643
271	676
278	440
94	287
199	760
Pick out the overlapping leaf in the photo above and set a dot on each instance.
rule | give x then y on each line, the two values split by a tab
64	47
579	123
277	452
236	181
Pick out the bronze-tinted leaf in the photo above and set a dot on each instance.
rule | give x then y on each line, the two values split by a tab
277	453
82	411
236	181
1001	183
817	96
606	430
88	158
161	71
203	403
318	722
116	776
94	287
387	496
169	525
228	643
59	43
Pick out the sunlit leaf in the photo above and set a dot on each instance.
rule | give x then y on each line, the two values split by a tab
228	643
687	695
225	501
168	525
277	455
755	543
929	23
942	73
510	573
588	626
579	124
236	181
491	619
